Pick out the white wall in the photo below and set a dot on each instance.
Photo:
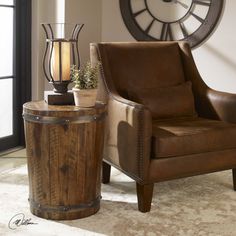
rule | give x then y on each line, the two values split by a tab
216	59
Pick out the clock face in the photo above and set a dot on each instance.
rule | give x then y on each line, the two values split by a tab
164	20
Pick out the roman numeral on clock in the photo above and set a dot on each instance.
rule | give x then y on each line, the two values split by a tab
149	26
202	2
166	32
139	12
197	17
183	29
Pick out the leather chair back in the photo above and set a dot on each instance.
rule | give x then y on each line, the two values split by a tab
141	65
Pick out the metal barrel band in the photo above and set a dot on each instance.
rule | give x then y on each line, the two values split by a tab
48	208
63	120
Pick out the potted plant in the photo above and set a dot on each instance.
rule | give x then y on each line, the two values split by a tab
86	82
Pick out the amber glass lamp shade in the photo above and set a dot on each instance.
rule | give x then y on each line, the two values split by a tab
61	54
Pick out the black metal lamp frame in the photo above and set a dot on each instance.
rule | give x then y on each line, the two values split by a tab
60	86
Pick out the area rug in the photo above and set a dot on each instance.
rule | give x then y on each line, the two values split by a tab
203	205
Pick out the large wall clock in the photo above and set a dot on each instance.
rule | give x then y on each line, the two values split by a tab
162	20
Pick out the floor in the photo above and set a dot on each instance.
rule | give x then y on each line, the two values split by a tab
12	160
198	206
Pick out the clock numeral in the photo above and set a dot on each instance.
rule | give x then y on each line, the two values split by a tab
197	17
166	32
183	29
149	26
202	2
139	12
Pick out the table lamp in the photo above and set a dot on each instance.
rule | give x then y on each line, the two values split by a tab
61	55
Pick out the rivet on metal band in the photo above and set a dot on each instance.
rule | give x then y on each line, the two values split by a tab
48	208
63	120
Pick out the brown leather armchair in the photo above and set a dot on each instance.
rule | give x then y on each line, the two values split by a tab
163	121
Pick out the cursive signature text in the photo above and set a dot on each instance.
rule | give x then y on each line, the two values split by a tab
19	220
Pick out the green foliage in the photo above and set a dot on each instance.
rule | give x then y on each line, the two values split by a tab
86	77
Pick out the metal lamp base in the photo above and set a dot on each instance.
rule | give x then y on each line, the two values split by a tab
60	87
52	98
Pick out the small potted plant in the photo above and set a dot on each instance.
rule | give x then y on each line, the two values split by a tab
86	82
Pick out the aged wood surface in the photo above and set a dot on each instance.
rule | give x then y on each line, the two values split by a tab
106	172
64	162
234	178
144	194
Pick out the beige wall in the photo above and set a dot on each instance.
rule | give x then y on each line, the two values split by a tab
89	13
216	59
76	11
42	11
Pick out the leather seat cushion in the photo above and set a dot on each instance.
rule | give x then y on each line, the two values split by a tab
191	135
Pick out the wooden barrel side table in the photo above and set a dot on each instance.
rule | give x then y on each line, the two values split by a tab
64	152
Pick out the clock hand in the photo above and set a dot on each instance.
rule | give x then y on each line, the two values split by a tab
182	4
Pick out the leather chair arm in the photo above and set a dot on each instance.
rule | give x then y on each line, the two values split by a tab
224	105
209	103
128	138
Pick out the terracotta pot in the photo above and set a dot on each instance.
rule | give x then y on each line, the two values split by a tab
85	97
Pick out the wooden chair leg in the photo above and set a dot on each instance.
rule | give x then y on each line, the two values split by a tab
106	172
144	194
234	178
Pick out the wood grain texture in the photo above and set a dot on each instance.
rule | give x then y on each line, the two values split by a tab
106	172
234	178
64	162
144	194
